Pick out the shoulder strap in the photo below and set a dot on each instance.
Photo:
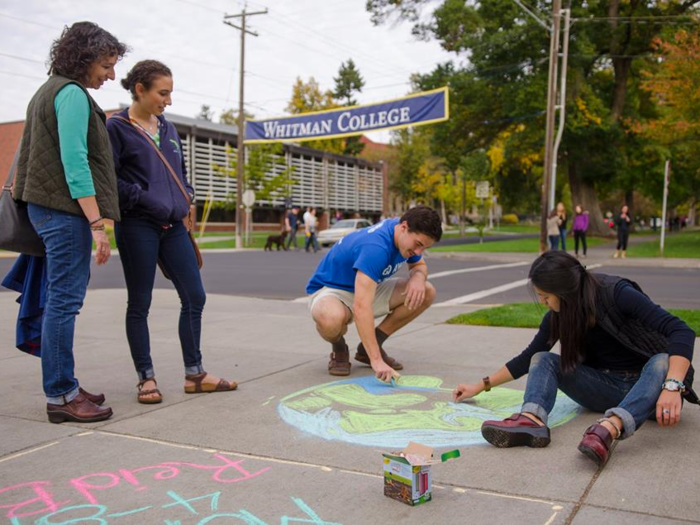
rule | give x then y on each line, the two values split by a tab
13	168
160	154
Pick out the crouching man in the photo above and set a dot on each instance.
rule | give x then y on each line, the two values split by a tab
354	281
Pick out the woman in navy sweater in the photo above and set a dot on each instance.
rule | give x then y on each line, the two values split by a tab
621	355
153	208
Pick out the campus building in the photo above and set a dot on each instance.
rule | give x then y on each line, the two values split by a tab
324	180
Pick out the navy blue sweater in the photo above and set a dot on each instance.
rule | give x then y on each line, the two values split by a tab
603	351
146	187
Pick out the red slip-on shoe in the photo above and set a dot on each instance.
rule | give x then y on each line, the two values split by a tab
515	431
596	444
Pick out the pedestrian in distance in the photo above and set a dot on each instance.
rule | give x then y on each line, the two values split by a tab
311	229
155	198
622	222
561	213
553	230
66	176
354	281
291	226
621	355
580	227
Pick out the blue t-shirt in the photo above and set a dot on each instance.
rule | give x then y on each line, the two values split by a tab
370	250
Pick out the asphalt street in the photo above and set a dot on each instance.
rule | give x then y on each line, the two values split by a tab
283	276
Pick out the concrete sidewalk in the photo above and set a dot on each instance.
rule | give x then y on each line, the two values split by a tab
284	450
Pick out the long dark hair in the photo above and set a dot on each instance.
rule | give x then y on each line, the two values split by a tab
561	274
79	46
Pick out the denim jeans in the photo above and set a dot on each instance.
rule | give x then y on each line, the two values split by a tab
141	243
582	236
311	240
554	242
631	396
292	238
562	237
68	243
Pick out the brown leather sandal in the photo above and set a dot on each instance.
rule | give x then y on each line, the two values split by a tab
201	388
339	365
143	395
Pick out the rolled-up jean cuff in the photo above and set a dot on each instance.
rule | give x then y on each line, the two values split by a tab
629	426
149	373
194	370
535	410
65	398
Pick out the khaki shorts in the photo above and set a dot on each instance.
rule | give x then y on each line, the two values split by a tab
380	305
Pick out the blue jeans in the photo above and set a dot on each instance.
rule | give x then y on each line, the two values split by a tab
562	237
311	240
631	396
141	243
554	242
68	243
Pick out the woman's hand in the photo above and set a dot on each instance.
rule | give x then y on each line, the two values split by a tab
668	408
102	249
464	391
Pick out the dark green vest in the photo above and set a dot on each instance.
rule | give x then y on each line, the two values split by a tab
40	177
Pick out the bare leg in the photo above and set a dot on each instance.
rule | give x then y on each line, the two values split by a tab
332	318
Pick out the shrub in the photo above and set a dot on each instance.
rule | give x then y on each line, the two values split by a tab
509	218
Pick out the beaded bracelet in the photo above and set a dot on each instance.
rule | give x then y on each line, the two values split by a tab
99	228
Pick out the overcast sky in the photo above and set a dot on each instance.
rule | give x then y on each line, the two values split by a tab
301	38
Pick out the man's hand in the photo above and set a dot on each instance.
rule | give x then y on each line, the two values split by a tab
668	408
415	291
464	391
383	371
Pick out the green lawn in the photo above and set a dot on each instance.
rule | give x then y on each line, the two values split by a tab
512	245
678	245
257	240
529	315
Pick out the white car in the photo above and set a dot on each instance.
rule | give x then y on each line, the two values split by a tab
340	229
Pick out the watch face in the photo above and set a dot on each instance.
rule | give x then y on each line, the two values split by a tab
673	387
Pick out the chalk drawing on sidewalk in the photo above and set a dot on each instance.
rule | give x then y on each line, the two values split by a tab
364	411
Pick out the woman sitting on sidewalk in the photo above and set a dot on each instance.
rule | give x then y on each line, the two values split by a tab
155	198
621	355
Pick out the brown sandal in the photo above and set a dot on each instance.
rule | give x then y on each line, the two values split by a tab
200	388
142	395
339	365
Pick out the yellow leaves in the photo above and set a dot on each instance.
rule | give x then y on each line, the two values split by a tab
583	108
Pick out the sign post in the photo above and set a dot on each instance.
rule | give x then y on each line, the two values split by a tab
248	201
667	174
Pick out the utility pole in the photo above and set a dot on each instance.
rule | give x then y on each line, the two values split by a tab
562	103
549	132
240	146
667	175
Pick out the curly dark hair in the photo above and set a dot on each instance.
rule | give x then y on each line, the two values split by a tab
422	219
79	46
144	73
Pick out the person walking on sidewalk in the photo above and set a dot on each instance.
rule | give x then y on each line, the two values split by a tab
561	213
291	226
310	229
354	280
580	228
66	175
621	355
155	198
553	230
622	222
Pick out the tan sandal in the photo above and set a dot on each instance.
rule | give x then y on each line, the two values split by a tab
146	397
201	388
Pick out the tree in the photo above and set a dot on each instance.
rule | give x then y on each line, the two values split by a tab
308	97
348	82
500	95
230	117
205	113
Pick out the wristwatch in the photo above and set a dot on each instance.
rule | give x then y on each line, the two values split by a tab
673	385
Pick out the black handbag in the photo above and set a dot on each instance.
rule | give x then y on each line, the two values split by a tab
16	231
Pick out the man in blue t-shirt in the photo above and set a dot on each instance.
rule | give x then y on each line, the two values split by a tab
291	225
354	280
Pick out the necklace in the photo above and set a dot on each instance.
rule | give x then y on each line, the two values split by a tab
150	128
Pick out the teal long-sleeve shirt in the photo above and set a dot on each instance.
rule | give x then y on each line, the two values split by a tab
73	112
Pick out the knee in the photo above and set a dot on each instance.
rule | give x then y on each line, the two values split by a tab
430	294
546	359
329	321
657	365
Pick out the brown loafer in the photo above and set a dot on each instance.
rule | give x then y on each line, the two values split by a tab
362	357
515	431
80	410
339	365
98	399
596	444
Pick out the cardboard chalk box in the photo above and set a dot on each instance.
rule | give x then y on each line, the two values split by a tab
407	476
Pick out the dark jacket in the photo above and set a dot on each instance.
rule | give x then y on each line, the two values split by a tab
146	187
40	176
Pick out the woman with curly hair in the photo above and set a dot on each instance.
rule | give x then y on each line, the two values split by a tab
66	176
154	198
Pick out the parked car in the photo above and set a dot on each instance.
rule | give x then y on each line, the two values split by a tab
340	229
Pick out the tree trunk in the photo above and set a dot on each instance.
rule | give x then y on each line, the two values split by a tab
584	194
442	210
629	201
